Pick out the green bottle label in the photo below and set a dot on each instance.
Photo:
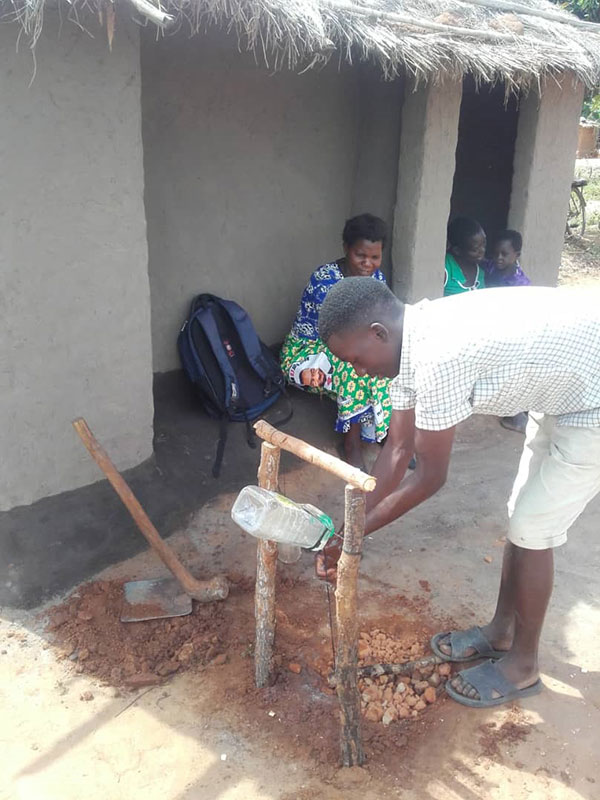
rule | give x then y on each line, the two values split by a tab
327	523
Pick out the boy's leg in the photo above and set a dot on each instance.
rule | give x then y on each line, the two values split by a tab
500	630
547	498
531	580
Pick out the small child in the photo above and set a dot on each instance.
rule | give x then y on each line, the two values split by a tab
504	268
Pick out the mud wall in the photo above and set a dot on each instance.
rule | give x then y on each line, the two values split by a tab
75	302
250	176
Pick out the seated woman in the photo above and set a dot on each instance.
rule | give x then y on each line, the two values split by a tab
466	249
363	403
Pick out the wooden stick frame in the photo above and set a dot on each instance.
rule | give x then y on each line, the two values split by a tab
346	666
266	569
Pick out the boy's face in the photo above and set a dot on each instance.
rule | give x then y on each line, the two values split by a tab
312	377
505	255
371	350
474	250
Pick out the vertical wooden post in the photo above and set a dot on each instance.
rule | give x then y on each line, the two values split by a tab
346	597
266	568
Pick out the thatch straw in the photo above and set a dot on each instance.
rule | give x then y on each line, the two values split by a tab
494	40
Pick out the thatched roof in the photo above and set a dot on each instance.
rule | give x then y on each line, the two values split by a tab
494	40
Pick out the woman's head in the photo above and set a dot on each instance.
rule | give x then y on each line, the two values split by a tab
364	238
466	240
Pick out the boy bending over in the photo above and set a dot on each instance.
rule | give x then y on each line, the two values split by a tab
453	357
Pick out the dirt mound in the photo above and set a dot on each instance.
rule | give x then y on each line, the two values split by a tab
299	708
299	712
388	698
88	630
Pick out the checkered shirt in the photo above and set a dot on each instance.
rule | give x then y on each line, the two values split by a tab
501	351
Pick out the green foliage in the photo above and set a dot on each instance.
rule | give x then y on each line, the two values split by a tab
586	9
591	108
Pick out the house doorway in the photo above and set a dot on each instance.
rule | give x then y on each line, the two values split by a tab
484	156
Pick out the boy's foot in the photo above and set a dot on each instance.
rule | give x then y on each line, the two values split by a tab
470	645
493	683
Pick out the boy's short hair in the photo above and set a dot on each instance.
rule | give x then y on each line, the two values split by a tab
461	229
514	237
355	302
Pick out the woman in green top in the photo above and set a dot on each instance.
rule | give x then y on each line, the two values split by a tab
466	248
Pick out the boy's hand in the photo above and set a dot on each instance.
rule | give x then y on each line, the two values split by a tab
326	561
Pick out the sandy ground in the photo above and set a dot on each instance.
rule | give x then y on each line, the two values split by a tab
580	265
205	733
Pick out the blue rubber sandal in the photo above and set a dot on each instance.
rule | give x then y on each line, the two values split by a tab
461	641
487	679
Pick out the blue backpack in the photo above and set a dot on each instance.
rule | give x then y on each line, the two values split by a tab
234	374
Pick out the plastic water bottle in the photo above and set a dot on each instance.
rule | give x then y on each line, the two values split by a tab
268	515
288	553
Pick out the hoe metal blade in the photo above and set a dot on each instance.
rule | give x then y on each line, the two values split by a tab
154	599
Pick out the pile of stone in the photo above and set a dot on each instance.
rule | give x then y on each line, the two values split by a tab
389	697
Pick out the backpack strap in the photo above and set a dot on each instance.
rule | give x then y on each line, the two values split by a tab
290	412
250	341
216	470
205	318
250	435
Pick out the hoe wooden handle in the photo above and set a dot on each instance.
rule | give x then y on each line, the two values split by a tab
205	591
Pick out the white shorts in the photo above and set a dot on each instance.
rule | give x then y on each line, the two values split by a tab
559	473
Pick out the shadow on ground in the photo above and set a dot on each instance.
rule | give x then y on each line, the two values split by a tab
48	547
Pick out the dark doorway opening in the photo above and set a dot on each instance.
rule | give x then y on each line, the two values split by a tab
487	133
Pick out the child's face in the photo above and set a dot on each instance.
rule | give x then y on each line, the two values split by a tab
312	377
505	255
474	250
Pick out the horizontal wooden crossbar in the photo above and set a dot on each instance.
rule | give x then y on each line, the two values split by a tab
352	475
